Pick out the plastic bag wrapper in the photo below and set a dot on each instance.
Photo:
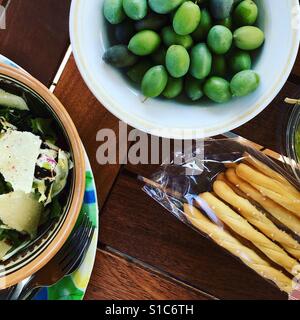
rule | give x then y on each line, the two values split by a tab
242	200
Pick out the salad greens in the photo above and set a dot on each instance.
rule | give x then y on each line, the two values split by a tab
297	146
22	213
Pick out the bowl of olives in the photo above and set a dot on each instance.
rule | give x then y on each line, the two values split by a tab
184	69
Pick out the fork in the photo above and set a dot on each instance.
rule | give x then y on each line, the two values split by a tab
64	262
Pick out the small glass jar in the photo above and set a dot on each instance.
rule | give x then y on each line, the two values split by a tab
293	141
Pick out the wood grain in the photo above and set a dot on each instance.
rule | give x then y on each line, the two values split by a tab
89	117
268	128
36	36
296	69
135	224
115	278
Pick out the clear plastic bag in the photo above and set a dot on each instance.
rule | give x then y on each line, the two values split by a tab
242	200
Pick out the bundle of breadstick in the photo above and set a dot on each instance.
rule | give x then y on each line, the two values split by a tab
252	211
230	243
242	197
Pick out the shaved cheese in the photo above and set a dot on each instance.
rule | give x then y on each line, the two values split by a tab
20	211
12	101
18	155
4	248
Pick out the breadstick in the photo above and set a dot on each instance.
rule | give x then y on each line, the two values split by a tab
244	229
291	205
257	218
284	216
263	168
231	165
222	177
252	176
228	242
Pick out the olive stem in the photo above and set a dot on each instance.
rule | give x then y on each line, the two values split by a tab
292	101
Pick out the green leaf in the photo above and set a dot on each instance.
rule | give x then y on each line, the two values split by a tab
55	209
12	236
18	118
4	186
44	128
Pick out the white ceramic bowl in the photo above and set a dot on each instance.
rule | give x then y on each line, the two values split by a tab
172	119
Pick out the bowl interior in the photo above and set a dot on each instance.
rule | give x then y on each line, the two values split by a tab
48	232
174	119
293	141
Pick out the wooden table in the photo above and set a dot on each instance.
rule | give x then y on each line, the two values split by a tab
143	252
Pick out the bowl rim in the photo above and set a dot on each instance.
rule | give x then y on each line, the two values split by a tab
78	183
173	133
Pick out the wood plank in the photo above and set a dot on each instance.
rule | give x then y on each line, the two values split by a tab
267	128
130	218
36	36
115	278
135	224
296	69
89	116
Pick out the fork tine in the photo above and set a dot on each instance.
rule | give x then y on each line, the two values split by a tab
82	255
77	258
76	253
73	239
72	246
71	259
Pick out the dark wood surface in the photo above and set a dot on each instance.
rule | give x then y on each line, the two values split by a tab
135	225
36	35
118	278
144	252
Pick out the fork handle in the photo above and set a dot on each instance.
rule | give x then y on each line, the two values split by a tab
23	289
26	292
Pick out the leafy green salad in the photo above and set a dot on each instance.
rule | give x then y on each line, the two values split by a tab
33	173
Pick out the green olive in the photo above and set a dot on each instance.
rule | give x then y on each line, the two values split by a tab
159	56
219	66
239	61
177	61
137	72
153	21
174	88
221	9
135	9
245	14
124	32
144	43
248	38
187	18
227	22
244	82
193	88
119	56
164	6
170	37
217	89
154	82
219	39
113	11
204	26
201	61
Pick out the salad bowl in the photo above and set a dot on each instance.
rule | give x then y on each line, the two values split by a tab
59	197
175	119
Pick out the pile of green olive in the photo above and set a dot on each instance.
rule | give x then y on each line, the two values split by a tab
199	47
